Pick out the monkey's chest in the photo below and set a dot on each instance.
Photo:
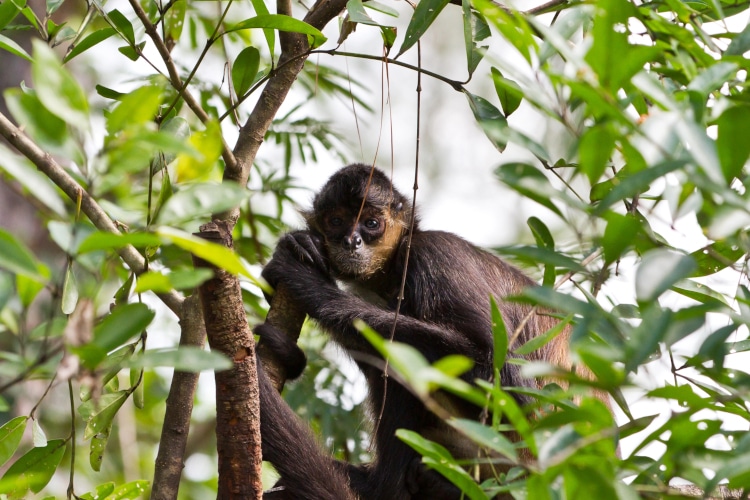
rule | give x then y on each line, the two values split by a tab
364	293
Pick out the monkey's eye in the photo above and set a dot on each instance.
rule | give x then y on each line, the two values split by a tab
335	221
372	223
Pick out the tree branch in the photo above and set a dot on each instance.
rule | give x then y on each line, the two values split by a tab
294	48
49	167
237	395
174	433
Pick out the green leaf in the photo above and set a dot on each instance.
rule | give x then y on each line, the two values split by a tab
508	91
70	291
497	130
610	41
511	24
659	270
282	23
713	78
381	7
123	323
530	183
594	151
184	358
208	143
130	491
10	437
424	14
245	69
715	257
490	119
217	255
644	339
178	280
740	43
485	437
12	47
132	52
33	470
541	233
103	413
388	35
53	5
123	25
8	11
262	10
504	402
454	365
174	20
18	259
357	14
6	291
101	491
139	395
38	122
544	239
37	184
405	359
200	200
29	14
731	141
134	151
136	108
28	288
64	34
438	458
699	292
701	148
108	241
98	445
540	341
475	31
619	235
179	128
500	337
57	89
108	93
536	255
627	184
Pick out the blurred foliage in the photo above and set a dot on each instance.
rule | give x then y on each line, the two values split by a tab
648	196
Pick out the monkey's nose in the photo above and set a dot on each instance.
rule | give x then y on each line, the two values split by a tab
352	242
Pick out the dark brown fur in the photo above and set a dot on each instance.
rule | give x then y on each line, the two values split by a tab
445	310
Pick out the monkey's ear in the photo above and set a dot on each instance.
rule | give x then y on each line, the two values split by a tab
309	216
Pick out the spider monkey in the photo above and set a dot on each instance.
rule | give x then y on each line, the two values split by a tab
357	236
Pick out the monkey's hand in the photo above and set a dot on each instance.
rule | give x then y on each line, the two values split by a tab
298	256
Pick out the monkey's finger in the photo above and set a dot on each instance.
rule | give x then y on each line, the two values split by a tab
308	248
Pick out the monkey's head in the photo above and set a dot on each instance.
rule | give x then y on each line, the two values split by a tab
360	239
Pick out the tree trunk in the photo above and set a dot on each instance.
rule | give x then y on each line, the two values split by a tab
237	405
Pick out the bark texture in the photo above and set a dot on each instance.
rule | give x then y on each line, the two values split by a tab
237	396
174	433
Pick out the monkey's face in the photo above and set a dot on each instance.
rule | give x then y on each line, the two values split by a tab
359	245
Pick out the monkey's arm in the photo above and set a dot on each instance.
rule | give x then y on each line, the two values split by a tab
299	264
